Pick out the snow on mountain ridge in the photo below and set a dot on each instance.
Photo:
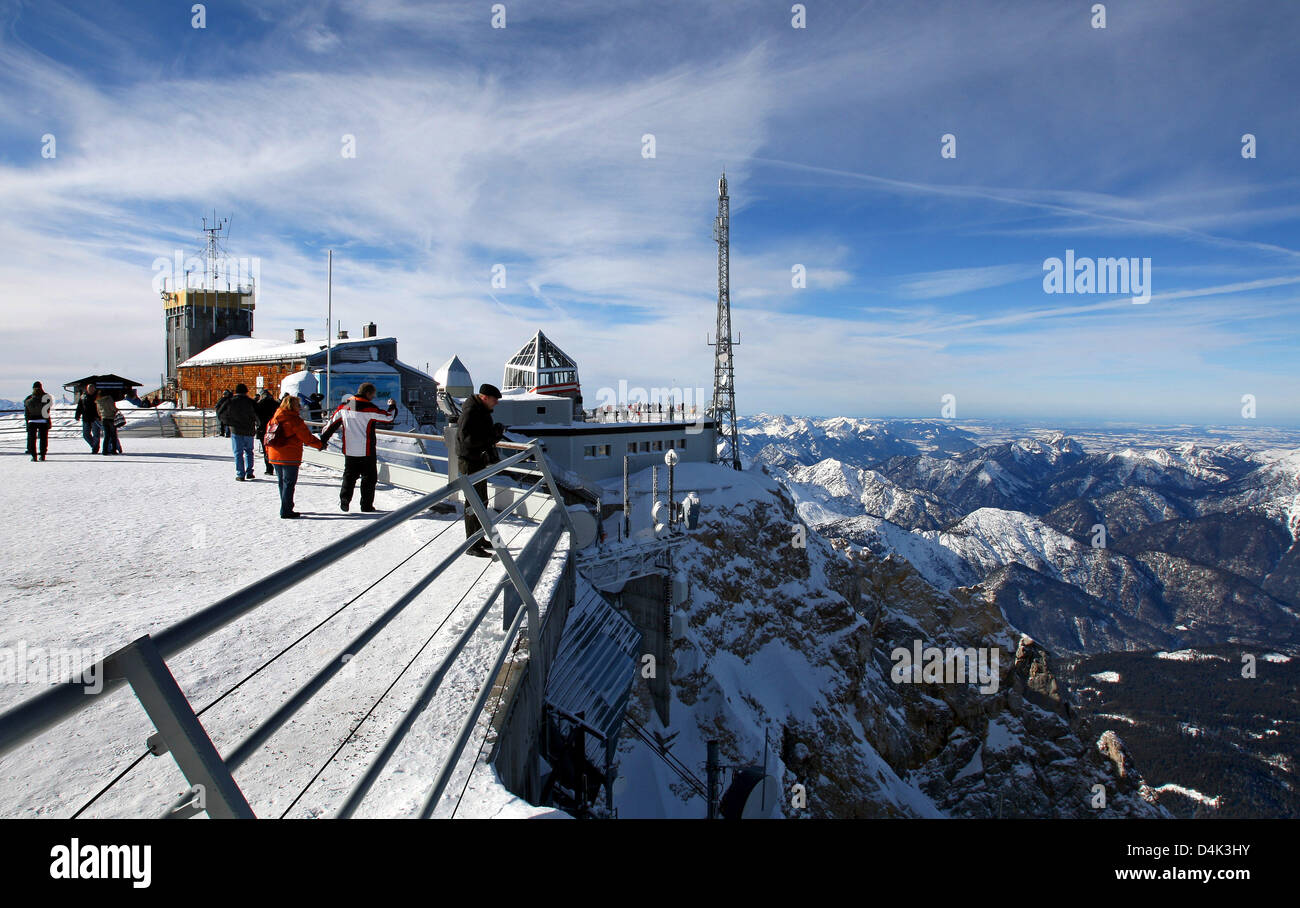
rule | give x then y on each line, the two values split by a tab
796	639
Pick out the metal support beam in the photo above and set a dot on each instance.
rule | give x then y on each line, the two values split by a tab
179	730
507	560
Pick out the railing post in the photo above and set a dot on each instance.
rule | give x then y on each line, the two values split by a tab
507	560
540	458
179	729
453	453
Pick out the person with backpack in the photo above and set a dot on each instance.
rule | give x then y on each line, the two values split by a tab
222	404
89	416
107	408
286	433
241	420
265	407
359	417
36	414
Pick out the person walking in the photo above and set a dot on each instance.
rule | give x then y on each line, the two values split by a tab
359	417
221	407
36	414
265	407
89	416
477	436
107	409
241	420
286	433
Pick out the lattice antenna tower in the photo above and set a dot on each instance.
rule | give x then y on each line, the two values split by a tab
724	367
214	248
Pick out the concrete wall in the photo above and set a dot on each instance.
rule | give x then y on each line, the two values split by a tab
642	601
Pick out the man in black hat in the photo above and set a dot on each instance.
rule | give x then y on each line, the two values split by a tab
36	413
477	436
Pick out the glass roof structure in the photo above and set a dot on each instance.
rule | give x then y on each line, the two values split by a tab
541	366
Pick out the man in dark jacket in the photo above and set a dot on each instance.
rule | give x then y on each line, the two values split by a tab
359	417
241	418
477	436
222	404
36	413
265	407
89	416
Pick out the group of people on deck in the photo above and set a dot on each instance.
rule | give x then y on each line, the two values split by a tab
96	411
284	433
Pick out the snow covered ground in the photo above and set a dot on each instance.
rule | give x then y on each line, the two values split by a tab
100	551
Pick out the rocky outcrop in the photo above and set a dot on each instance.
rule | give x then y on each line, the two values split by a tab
805	643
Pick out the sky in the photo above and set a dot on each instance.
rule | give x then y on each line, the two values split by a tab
525	147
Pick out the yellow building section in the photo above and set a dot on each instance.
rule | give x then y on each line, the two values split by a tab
213	299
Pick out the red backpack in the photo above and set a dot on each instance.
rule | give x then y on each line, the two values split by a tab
275	434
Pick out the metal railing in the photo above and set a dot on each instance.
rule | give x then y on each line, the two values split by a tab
143	665
436	468
165	422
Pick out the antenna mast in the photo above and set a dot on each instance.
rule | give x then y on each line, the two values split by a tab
212	242
724	370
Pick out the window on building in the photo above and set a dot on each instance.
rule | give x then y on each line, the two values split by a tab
645	447
658	446
541	411
681	443
670	444
631	447
592	451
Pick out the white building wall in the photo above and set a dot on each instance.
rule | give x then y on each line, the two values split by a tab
571	452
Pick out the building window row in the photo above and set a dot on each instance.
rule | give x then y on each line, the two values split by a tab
647	447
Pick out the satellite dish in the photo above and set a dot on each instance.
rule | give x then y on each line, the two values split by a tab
659	514
585	527
671	457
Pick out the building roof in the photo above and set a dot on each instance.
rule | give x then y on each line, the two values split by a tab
237	349
541	353
409	368
453	374
370	365
525	394
108	378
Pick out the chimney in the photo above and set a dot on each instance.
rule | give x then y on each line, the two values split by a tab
370	330
298	337
343	334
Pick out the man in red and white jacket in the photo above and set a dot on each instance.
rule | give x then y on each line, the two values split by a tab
358	417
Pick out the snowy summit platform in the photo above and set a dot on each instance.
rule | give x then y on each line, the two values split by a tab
102	550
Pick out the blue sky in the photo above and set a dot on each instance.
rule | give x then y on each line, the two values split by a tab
522	146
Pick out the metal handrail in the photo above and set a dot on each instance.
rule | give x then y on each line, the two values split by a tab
27	720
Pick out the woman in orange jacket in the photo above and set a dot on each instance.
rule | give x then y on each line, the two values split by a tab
286	433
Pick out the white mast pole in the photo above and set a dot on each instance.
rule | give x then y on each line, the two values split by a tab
329	321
